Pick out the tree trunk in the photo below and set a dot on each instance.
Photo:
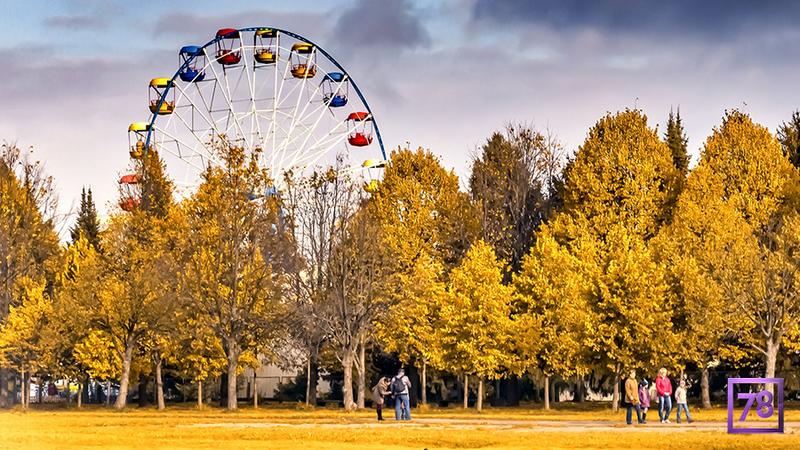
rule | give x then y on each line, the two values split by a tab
705	393
771	359
223	390
308	380
362	377
159	384
579	389
84	393
347	387
231	388
39	390
466	391
80	394
424	382
4	402
615	397
479	401
25	389
255	389
547	392
108	393
122	397
313	378
142	391
200	394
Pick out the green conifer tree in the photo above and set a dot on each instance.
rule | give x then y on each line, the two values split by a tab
87	223
789	137
676	140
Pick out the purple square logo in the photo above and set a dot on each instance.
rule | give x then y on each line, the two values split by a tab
760	404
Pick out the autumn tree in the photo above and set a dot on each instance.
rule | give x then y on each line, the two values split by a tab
619	191
87	224
704	231
744	179
196	351
22	336
28	241
74	285
357	299
511	183
475	330
317	204
552	324
234	241
427	224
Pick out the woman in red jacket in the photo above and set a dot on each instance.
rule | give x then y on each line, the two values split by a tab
664	389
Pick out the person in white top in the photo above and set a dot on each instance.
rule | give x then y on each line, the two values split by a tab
680	399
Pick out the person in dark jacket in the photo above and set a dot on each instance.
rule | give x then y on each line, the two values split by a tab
644	398
632	398
379	393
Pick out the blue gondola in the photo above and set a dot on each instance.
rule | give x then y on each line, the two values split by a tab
335	89
195	57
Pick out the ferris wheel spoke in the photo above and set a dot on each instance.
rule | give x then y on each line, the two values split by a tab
276	100
200	141
322	109
255	125
321	142
282	149
227	90
310	157
177	153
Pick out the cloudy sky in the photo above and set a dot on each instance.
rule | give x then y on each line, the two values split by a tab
442	75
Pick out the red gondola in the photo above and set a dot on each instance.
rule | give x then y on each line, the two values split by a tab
129	199
360	129
228	46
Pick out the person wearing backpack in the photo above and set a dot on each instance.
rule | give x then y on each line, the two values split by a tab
400	389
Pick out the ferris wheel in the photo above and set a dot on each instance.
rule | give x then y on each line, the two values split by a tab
266	90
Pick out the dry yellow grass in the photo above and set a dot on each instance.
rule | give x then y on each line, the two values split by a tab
293	428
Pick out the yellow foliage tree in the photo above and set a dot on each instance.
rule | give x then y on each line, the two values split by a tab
427	224
475	328
619	191
235	242
552	325
732	242
22	336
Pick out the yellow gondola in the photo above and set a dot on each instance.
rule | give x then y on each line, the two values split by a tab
265	52
136	146
158	86
303	66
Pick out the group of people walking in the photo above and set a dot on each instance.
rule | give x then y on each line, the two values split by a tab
397	389
638	395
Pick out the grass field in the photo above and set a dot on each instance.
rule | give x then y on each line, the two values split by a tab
288	427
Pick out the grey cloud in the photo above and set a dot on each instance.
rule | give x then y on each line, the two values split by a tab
712	18
381	24
199	29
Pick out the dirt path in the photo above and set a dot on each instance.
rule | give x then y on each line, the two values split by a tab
500	424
